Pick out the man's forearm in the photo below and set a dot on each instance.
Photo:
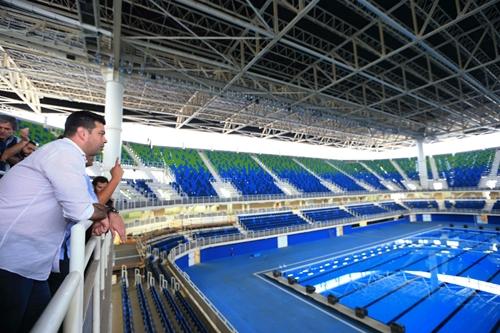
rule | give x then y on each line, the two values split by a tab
100	212
107	193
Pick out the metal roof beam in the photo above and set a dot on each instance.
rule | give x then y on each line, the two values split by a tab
450	66
19	83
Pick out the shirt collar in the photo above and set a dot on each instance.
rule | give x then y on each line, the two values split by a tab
74	144
8	139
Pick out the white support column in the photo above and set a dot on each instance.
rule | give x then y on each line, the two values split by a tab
422	165
113	115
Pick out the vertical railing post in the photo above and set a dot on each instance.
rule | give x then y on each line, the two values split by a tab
74	318
106	242
96	291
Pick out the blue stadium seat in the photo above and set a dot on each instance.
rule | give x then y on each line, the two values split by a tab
270	221
215	232
421	204
368	209
326	214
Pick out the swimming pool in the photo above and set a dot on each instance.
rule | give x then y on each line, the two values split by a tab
447	280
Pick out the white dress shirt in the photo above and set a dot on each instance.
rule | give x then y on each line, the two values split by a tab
37	197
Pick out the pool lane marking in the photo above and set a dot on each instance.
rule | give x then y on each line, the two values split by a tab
349	251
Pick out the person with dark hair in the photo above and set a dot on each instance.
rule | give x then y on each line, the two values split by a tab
85	119
103	188
8	125
39	196
100	183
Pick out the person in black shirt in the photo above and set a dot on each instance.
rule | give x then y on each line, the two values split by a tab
18	152
8	125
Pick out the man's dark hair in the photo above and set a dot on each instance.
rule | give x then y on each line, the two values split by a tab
9	119
84	119
99	179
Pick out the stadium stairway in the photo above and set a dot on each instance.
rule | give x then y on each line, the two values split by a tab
492	180
132	154
356	180
223	188
240	228
488	206
329	185
303	216
434	170
401	203
435	174
496	163
284	186
161	187
129	193
387	183
209	165
441	205
136	159
407	180
165	191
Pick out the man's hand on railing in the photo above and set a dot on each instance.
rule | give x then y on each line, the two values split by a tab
117	226
100	227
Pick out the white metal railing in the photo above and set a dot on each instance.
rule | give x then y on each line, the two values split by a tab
79	290
149	202
221	239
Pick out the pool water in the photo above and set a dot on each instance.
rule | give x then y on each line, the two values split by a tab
446	280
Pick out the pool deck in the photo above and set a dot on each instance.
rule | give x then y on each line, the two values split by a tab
253	304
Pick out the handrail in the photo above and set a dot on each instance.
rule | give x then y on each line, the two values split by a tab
68	303
53	316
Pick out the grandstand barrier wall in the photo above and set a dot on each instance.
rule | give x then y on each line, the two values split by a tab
494	219
254	242
297	234
247	244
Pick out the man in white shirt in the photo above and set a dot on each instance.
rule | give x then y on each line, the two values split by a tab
37	198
